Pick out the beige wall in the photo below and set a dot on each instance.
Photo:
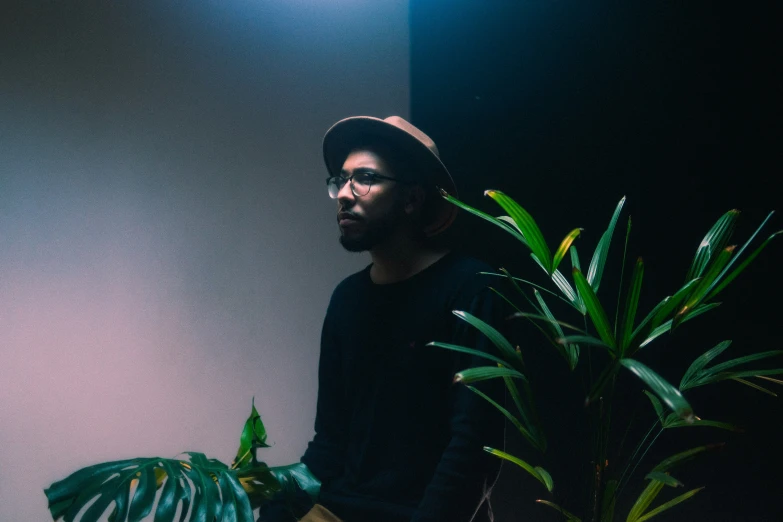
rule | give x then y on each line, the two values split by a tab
167	248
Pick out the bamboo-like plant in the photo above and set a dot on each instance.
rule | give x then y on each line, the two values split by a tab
202	489
711	270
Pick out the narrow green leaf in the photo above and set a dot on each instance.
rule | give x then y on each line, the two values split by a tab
493	335
659	313
521	408
720	283
564	246
471	351
507	219
723	376
516	422
679	423
631	304
667	326
695	368
575	258
583	339
524	465
568	351
684	456
526	409
535	422
565	287
547	319
547	333
514	280
704	285
622	277
742	360
748	373
570	517
770	379
519	290
526	224
667	479
499	222
596	268
645	499
594	309
714	241
754	386
504	298
667	505
670	395
656	404
482	373
548	482
562	284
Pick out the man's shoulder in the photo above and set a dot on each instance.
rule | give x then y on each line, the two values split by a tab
467	266
466	270
353	282
456	273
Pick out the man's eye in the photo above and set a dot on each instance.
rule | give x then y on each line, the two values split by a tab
364	178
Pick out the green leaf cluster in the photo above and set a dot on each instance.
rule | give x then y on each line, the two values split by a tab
200	489
624	342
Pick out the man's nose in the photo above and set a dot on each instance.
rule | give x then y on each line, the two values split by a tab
345	194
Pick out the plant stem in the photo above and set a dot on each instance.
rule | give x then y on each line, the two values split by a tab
649	446
602	453
636	452
622	274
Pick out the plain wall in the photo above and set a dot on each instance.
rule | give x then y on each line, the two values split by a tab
167	246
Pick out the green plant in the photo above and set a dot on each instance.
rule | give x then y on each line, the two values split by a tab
202	489
622	341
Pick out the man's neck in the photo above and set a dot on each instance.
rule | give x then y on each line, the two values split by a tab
400	259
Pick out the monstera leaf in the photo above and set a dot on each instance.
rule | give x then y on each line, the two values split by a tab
198	488
205	488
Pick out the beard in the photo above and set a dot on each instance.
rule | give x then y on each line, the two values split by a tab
375	232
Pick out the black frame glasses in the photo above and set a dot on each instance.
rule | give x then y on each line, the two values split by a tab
366	179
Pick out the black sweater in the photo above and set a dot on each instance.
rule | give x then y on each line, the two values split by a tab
395	440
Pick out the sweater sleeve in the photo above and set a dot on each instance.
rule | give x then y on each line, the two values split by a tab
325	453
455	491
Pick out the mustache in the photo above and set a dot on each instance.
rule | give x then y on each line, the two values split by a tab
347	214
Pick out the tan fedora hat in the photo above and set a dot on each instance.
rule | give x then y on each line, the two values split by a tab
347	134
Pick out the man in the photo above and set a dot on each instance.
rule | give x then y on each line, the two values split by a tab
395	440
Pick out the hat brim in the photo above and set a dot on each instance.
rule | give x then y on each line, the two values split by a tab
345	135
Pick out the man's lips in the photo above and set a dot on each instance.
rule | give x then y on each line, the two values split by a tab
347	218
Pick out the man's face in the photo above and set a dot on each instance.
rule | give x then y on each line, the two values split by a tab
369	220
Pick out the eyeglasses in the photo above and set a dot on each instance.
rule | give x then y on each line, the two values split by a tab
360	183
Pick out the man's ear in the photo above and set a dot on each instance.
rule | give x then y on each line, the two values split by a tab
414	200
